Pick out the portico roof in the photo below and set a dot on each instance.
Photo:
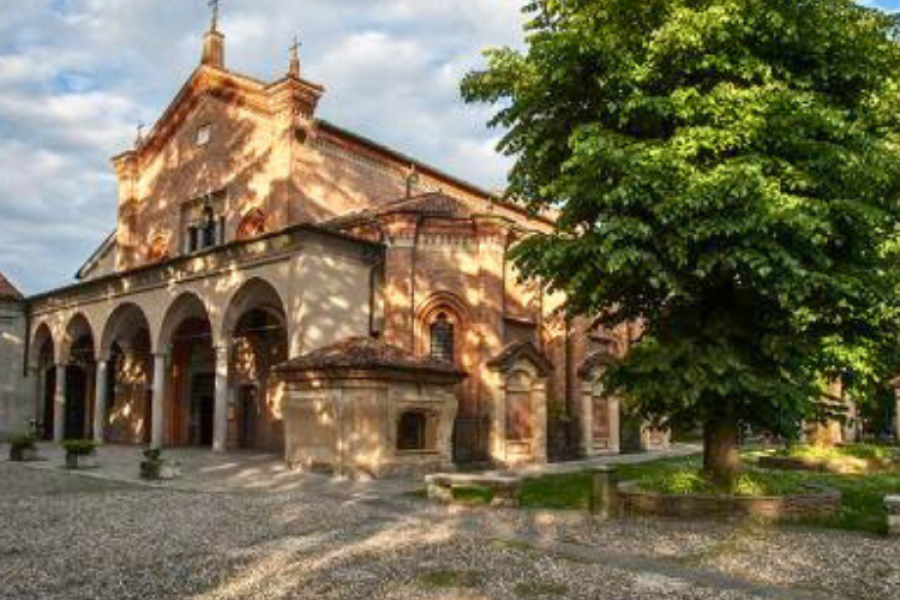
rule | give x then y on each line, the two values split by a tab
366	355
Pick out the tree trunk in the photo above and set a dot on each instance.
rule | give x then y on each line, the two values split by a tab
721	450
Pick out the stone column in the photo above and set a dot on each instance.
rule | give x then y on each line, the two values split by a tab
160	364
100	400
59	405
220	414
587	419
615	426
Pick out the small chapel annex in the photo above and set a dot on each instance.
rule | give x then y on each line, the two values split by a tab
271	273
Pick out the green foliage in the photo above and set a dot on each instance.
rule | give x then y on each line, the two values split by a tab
727	173
451	579
153	454
748	483
79	447
540	589
23	441
860	451
862	506
473	494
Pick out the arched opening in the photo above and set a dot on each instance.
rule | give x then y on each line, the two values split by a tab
443	338
189	413
193	384
127	345
258	334
81	367
45	368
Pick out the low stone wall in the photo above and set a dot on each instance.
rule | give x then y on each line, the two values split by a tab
816	504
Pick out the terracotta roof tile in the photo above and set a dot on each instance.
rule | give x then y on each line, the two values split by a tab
434	204
366	354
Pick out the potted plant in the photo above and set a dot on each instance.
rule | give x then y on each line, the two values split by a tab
155	468
23	448
80	454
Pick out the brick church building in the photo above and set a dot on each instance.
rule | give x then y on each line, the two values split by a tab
272	273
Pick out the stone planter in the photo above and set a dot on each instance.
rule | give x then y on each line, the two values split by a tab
892	505
81	462
20	454
817	503
160	470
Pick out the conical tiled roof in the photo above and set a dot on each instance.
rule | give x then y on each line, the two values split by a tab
7	290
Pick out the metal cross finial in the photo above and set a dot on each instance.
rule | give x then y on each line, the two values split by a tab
214	5
140	133
295	48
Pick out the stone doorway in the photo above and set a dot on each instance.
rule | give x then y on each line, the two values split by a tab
202	408
76	410
247	417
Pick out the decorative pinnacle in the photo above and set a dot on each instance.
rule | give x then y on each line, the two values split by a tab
295	57
214	5
140	135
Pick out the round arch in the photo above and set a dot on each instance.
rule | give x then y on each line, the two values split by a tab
186	306
79	328
447	308
255	326
254	294
41	340
125	322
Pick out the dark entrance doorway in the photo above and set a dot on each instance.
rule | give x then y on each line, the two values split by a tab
76	404
248	417
202	408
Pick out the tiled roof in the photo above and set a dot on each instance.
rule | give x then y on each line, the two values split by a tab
434	204
8	290
366	354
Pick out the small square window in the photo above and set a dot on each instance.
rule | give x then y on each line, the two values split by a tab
203	134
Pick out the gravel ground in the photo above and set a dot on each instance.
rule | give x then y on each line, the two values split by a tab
64	536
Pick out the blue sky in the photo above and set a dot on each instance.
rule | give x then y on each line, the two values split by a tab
76	76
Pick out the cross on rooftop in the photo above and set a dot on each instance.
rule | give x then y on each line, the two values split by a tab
295	57
214	5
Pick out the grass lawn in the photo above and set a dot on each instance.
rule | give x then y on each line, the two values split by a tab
863	495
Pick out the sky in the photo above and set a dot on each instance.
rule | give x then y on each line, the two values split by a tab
77	76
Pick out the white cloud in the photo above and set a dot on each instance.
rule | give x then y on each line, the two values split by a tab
77	75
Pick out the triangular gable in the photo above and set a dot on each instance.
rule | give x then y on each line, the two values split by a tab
521	350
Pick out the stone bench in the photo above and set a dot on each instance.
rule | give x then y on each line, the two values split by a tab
505	488
892	505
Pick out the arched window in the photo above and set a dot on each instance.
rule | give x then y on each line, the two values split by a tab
412	432
442	342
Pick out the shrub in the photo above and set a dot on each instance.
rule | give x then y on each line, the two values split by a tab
153	454
79	447
23	442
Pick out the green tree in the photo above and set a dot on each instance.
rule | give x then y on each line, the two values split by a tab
726	173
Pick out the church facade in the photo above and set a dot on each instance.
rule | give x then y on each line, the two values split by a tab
252	234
